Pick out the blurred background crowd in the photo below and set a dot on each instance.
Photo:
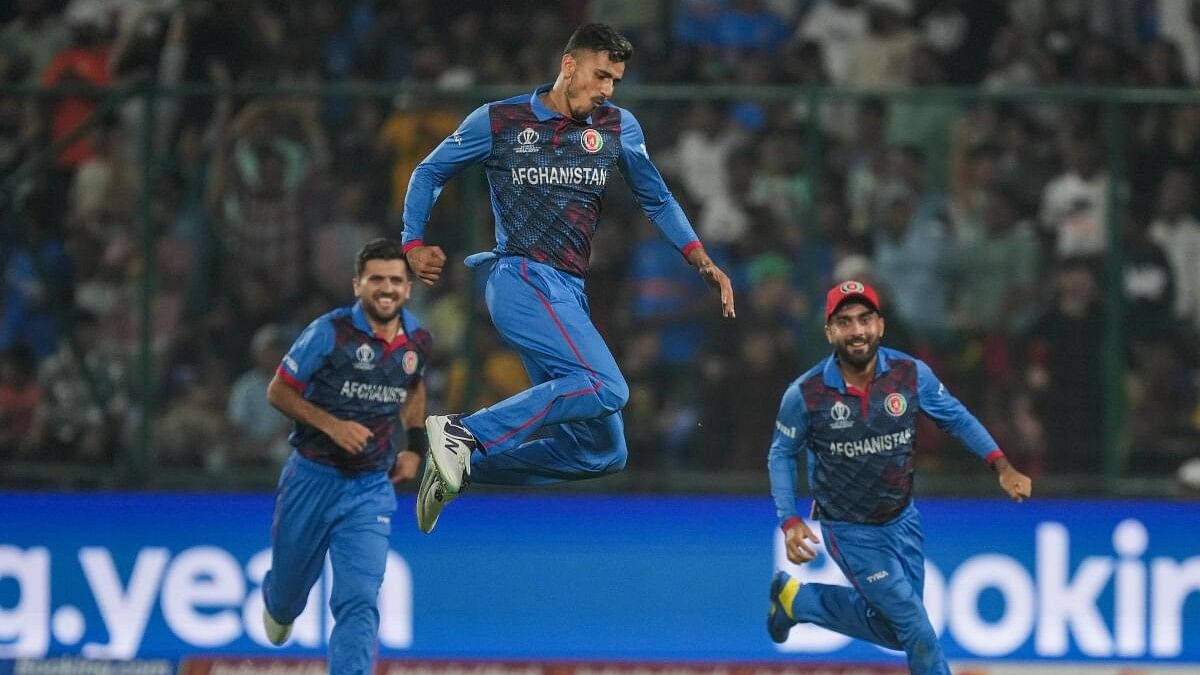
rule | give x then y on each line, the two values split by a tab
989	225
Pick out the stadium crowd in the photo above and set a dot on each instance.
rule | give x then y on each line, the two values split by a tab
983	224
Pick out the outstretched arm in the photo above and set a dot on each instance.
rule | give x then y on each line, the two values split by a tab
470	143
664	211
953	417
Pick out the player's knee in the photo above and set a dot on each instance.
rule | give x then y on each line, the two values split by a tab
613	394
610	462
617	462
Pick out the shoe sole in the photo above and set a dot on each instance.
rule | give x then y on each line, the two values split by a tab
437	439
280	638
777	636
429	478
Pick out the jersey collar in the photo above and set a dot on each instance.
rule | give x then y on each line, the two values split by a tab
833	375
543	112
358	316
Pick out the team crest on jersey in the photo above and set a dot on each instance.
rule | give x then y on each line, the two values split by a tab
895	404
840	413
592	140
410	362
527	140
852	287
364	357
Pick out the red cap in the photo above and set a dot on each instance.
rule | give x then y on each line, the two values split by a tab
849	290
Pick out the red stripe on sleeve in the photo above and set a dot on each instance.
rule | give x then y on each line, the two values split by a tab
993	456
290	380
413	244
691	247
787	524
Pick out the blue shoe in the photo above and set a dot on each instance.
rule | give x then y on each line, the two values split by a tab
779	619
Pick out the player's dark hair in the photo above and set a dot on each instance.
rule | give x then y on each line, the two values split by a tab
600	37
378	249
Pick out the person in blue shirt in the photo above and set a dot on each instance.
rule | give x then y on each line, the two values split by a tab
548	157
854	413
348	382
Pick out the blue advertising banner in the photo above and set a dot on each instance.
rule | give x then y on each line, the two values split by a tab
603	578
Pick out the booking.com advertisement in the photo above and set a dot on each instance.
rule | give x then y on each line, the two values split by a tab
565	577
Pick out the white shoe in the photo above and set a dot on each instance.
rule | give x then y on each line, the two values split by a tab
277	633
432	497
450	446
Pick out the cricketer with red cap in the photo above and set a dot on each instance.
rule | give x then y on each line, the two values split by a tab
854	413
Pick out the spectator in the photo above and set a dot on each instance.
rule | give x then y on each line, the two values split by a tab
38	281
85	62
925	124
19	396
336	243
259	430
997	272
1153	395
837	26
1177	231
667	299
86	396
1075	203
882	60
266	186
911	260
35	36
1063	354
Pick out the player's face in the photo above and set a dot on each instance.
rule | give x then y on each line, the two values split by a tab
855	331
590	78
383	288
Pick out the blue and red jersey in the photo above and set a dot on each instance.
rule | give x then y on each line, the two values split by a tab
860	444
342	367
547	174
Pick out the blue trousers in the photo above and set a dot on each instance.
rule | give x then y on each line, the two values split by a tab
886	565
318	509
577	391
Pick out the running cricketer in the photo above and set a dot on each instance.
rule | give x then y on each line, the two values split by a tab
855	415
548	156
347	381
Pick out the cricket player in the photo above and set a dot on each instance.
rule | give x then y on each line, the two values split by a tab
347	382
855	413
549	156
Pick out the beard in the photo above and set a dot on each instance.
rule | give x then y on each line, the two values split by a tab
858	360
379	315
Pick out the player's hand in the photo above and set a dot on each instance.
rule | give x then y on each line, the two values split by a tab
795	541
349	436
405	468
719	281
1016	484
426	262
714	277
